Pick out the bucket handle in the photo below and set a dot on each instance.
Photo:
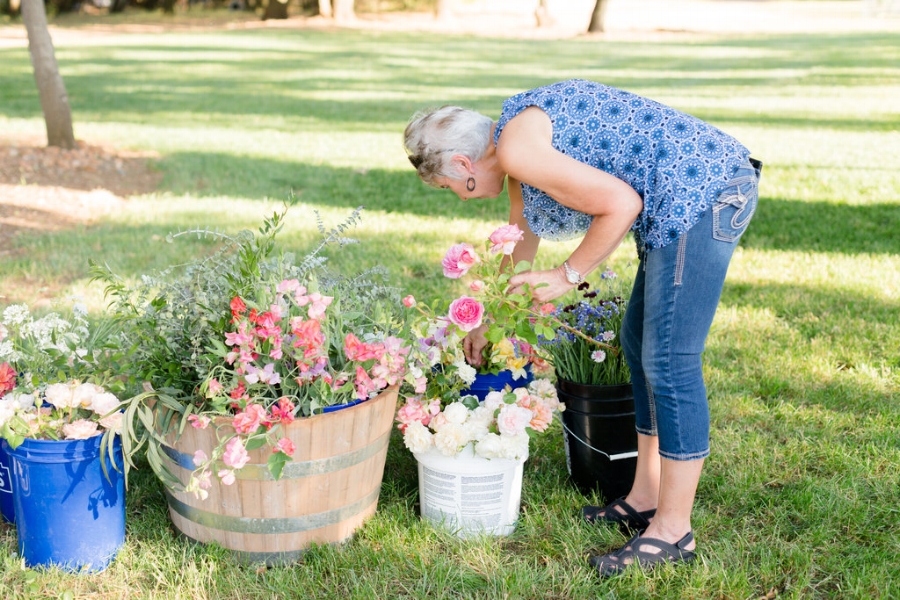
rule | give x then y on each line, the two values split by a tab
611	457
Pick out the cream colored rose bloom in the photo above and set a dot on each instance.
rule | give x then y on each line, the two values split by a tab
456	413
489	446
104	403
113	422
81	429
84	393
450	439
417	438
514	446
60	395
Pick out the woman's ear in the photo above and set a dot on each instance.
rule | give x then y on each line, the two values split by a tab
462	164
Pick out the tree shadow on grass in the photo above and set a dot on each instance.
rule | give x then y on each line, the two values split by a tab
375	189
781	224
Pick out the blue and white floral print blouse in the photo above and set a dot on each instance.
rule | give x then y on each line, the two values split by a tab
677	163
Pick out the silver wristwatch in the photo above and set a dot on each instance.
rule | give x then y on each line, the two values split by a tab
573	276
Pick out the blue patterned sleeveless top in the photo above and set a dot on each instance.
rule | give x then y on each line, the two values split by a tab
677	163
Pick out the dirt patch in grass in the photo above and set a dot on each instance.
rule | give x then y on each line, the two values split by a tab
47	188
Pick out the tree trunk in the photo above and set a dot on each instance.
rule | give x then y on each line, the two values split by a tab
443	10
51	89
598	17
325	8
276	9
343	11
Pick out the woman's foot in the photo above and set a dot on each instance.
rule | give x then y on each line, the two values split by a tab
620	513
647	553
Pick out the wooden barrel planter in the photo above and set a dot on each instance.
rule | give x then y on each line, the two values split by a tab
323	496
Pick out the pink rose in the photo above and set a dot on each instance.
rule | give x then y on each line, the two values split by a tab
513	419
458	260
81	429
409	301
504	239
235	455
476	286
466	313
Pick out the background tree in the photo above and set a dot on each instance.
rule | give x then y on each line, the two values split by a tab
598	16
276	9
343	10
51	89
443	9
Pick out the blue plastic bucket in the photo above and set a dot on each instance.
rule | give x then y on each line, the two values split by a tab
487	382
7	508
69	514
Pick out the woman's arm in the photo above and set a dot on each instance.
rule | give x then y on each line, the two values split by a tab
526	153
528	247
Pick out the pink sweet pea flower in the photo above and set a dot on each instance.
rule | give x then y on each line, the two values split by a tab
283	411
200	457
249	420
199	421
466	313
458	260
288	285
504	239
319	303
284	445
235	455
547	308
227	476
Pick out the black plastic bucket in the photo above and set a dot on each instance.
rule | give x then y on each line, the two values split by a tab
599	437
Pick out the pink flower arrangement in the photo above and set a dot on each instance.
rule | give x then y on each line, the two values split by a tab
288	353
440	415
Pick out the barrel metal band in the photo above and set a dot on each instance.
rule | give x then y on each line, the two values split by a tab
271	525
295	469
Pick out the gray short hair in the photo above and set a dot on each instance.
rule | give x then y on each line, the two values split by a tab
433	136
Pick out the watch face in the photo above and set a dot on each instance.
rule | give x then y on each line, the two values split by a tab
572	277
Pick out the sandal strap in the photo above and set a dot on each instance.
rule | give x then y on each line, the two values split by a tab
629	516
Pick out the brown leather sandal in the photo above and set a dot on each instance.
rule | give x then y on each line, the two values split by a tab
628	519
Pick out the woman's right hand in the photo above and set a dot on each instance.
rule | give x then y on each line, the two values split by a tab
473	345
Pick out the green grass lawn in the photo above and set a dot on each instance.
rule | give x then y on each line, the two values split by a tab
799	498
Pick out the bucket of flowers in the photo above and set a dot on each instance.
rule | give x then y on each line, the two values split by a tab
60	455
594	381
471	444
269	389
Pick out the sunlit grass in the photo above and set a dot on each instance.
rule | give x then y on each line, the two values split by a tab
803	369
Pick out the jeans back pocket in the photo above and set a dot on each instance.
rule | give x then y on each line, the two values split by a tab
735	206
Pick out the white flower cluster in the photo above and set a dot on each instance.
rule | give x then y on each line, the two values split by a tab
64	397
497	426
51	332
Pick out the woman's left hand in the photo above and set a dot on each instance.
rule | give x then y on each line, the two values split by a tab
555	280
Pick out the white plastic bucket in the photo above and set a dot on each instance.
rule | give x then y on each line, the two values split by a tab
468	494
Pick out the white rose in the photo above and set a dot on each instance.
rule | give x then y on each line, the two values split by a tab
104	403
417	438
81	429
6	412
493	400
20	401
60	395
489	446
514	446
476	429
84	393
456	413
450	439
